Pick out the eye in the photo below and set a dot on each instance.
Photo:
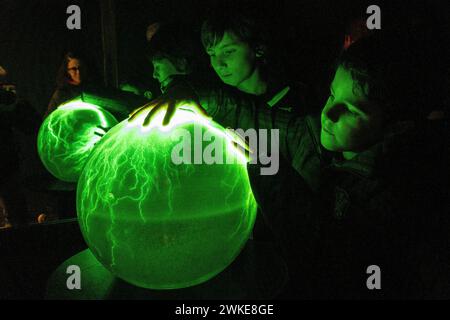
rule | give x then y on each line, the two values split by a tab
230	51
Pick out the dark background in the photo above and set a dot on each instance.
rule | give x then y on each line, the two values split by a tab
308	34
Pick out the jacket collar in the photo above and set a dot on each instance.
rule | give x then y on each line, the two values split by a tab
368	162
363	164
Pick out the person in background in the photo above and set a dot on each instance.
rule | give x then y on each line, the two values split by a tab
8	90
14	113
171	52
74	75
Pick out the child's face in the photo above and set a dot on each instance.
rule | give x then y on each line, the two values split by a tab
163	69
234	61
350	122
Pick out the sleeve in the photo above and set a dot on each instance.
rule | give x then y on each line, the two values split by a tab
116	101
184	87
303	148
55	100
59	96
298	138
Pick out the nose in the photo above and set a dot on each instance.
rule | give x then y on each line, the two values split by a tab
155	74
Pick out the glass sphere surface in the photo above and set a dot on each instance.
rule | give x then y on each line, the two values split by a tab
68	135
159	208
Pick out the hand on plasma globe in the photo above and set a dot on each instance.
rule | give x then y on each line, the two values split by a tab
170	106
100	130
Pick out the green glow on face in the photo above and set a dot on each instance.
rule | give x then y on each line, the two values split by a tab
68	135
160	225
350	122
234	61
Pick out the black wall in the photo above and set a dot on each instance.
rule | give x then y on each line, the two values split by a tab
33	34
34	37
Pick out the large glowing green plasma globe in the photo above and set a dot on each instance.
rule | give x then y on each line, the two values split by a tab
68	135
166	207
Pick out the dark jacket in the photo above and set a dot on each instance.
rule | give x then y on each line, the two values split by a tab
61	95
119	103
388	207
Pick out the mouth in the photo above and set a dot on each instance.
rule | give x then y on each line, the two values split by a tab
225	75
327	131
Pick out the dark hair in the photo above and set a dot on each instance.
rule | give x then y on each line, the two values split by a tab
63	78
247	27
385	69
173	42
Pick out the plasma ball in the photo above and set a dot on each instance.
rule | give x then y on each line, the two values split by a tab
159	223
68	135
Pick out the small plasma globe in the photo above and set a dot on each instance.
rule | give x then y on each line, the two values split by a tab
68	135
166	207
